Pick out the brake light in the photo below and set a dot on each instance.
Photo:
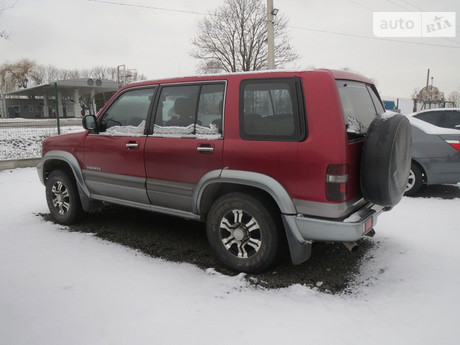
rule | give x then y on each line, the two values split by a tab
337	182
369	224
454	143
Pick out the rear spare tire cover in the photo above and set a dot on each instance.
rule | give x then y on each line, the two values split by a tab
386	159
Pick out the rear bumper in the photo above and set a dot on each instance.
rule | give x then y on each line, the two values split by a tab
352	228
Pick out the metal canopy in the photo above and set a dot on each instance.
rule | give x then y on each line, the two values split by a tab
67	88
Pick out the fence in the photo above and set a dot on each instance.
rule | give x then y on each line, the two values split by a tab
22	138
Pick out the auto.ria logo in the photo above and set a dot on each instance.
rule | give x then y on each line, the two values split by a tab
414	24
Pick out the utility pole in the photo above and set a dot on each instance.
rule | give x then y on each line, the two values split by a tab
425	98
431	92
121	68
271	13
57	108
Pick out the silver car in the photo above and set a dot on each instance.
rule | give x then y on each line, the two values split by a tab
436	148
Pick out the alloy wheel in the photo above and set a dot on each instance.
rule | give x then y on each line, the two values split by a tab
240	233
60	197
410	181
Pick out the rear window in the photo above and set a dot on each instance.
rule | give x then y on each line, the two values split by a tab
360	105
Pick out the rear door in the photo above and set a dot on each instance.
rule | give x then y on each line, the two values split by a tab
186	144
114	167
271	125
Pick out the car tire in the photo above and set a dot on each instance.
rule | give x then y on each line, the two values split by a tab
415	181
386	160
63	198
244	233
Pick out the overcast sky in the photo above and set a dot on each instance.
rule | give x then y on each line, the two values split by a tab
79	34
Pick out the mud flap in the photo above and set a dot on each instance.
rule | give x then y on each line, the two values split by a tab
300	250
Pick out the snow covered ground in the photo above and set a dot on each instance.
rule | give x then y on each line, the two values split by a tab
60	287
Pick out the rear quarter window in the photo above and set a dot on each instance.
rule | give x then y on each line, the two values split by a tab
360	106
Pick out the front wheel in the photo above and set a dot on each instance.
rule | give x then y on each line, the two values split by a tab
243	232
63	198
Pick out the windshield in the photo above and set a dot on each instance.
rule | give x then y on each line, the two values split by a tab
360	105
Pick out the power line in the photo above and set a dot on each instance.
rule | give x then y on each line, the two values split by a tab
422	10
373	38
395	3
361	5
391	2
108	2
406	2
147	6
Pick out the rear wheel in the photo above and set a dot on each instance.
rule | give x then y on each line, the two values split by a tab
243	232
63	198
415	181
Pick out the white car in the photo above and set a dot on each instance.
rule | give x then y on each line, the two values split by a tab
436	148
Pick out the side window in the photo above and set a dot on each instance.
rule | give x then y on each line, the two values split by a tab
127	115
211	107
190	110
446	119
433	117
269	110
453	119
177	107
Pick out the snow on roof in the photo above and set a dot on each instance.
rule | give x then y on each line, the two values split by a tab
434	109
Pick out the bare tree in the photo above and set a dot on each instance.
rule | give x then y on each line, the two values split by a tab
52	73
234	38
454	97
18	75
429	94
41	74
74	74
112	73
99	72
26	73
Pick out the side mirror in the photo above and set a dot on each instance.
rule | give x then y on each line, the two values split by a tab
89	122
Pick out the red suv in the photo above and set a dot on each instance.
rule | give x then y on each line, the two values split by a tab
262	158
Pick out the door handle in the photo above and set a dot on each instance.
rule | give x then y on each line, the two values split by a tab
132	145
205	149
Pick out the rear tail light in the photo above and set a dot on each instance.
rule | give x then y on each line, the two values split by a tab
454	143
337	182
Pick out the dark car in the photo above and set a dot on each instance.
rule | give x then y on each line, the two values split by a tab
436	149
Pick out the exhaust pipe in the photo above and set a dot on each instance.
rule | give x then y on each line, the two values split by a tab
370	233
351	246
